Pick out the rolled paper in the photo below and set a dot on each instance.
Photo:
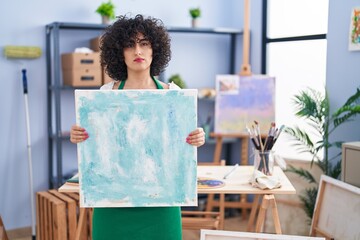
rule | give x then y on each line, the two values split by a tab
22	52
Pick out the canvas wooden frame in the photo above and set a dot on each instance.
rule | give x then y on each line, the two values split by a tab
136	154
232	235
337	210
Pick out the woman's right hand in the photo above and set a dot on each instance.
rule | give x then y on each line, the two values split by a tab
78	134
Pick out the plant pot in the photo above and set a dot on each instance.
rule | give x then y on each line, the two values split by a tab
194	22
105	20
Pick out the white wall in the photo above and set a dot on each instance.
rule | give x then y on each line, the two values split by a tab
23	23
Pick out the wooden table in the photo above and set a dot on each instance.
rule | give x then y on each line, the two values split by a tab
236	183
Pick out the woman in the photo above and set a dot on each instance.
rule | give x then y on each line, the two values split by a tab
133	51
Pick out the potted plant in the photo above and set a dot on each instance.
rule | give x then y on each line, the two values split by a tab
176	78
314	108
107	11
195	13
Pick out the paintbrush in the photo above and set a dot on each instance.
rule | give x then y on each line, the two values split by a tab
258	135
253	139
269	139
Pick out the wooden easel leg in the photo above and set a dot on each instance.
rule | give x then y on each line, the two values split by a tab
218	148
222	210
253	212
244	161
261	216
210	202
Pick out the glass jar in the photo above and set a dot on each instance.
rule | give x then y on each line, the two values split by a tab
264	162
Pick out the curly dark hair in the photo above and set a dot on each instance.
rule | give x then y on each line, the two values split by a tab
124	30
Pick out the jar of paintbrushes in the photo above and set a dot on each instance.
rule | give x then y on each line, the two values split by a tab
263	144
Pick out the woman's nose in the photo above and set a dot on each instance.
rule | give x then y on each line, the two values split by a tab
137	49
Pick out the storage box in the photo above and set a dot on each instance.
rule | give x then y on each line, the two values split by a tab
57	214
95	44
82	77
350	164
72	61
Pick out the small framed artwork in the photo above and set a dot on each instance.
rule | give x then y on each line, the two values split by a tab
354	36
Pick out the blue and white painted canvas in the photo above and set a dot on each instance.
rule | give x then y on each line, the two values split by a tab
136	154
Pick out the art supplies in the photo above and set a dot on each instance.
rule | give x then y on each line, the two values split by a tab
231	171
264	159
270	139
209	183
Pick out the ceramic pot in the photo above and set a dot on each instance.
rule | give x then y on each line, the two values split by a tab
105	20
194	22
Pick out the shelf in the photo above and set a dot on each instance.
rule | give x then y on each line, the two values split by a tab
65	87
94	26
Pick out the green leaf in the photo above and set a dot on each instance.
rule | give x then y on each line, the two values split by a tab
336	170
302	173
308	198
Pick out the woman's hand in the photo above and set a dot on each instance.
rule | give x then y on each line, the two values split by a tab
196	137
78	134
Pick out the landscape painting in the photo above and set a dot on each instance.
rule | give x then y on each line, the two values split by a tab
136	154
241	100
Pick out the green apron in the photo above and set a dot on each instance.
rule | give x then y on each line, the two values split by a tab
137	223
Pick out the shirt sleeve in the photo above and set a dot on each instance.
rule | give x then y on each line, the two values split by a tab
173	86
108	86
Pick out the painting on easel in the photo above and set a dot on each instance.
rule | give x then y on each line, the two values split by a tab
136	154
242	99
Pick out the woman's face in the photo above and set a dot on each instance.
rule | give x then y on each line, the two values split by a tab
138	54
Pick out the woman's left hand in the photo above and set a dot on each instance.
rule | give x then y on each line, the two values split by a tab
196	137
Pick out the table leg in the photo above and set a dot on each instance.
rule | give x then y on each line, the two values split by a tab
268	200
275	215
261	216
253	212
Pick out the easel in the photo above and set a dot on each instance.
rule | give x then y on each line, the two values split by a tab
243	204
266	200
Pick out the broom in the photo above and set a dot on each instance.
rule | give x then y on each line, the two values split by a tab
23	52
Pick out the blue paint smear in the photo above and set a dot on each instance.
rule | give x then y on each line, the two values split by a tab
159	169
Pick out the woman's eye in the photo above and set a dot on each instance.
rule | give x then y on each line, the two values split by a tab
129	45
145	44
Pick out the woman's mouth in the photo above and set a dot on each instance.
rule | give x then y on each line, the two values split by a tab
138	60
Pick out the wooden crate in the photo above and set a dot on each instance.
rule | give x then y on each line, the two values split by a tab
3	235
57	216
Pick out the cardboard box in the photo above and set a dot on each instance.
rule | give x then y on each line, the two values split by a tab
95	44
76	61
82	77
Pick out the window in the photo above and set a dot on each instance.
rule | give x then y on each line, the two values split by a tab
294	51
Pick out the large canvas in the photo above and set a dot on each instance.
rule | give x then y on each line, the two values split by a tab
136	154
242	99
